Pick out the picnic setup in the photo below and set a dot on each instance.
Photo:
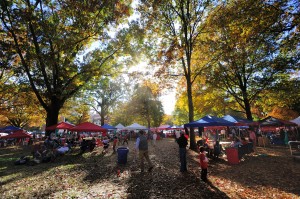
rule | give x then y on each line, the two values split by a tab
229	136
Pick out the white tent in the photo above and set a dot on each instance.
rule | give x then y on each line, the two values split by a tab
3	134
296	120
120	126
135	126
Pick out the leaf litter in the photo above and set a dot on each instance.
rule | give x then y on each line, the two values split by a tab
94	175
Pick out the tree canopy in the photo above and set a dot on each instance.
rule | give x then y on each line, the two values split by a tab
235	56
49	39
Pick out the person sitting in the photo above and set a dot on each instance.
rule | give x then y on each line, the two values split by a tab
70	143
92	144
244	141
63	149
36	150
237	143
217	150
83	146
207	148
48	142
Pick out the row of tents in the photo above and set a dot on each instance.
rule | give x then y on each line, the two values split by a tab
82	127
228	120
206	121
90	127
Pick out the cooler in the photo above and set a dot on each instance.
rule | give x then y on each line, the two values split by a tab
232	155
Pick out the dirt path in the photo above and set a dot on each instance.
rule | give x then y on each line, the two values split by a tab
271	173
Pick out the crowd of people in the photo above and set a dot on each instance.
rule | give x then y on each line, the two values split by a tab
51	148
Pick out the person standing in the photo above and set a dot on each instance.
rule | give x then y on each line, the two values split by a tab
252	138
203	164
154	137
115	143
177	135
105	142
125	139
182	142
142	146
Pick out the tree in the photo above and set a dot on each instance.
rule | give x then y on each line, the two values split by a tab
75	110
178	26
104	96
247	37
145	107
122	114
22	109
280	101
50	37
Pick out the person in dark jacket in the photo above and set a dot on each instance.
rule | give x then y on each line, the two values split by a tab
182	142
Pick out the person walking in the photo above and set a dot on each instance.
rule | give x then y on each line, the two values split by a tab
203	164
125	139
142	146
182	142
115	143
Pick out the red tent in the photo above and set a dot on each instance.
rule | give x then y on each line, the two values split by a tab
89	127
163	127
17	134
61	125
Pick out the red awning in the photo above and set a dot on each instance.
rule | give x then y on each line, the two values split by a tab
61	125
17	134
88	127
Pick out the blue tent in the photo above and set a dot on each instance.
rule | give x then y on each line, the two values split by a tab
238	121
108	127
209	121
10	129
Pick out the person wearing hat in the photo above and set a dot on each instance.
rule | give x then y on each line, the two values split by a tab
142	146
182	142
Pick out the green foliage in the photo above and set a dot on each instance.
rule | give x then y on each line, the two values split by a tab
143	105
50	37
104	94
284	96
20	108
75	111
247	39
143	108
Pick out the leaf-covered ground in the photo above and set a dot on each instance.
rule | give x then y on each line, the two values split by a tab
270	173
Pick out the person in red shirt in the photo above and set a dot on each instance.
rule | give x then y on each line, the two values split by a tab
115	143
203	164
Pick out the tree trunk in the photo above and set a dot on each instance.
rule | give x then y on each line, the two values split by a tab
247	104
248	109
102	116
193	144
52	115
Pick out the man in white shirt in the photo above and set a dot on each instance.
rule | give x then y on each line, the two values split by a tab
154	136
63	149
177	135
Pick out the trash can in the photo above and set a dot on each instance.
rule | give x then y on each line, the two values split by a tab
232	155
122	155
